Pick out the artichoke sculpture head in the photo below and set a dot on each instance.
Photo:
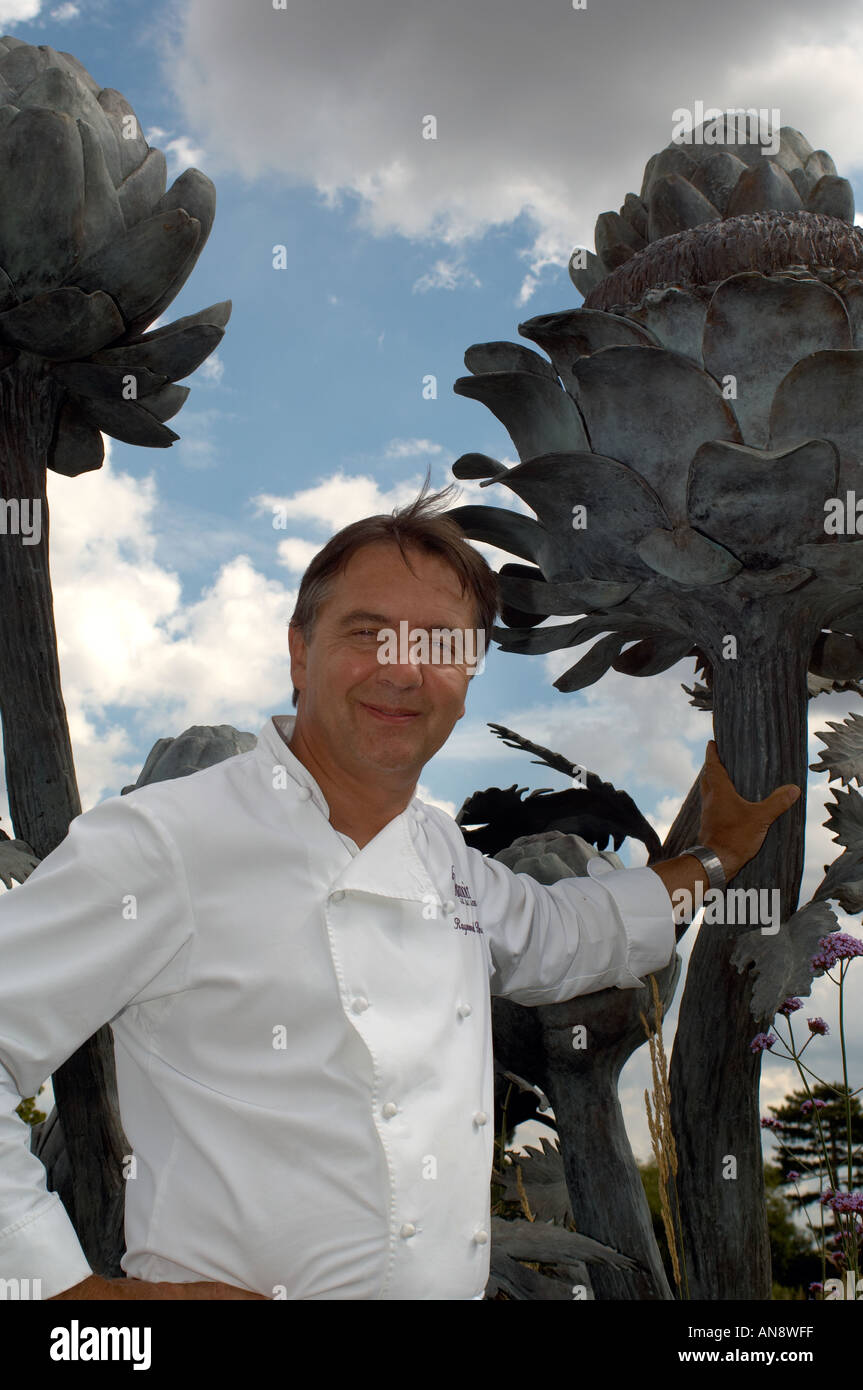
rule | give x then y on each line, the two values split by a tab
693	424
93	248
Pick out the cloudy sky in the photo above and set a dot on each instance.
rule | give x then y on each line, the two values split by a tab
172	587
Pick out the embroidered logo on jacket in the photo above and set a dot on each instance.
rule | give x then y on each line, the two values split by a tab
464	899
463	891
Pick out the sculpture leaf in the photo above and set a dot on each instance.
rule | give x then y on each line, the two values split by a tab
782	963
543	1180
843	757
846	818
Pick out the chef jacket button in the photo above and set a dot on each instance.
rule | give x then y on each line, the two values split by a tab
304	793
408	1229
481	1237
338	895
480	1118
390	1109
359	1004
464	1010
449	906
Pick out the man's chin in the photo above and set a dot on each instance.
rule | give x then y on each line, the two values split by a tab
390	747
390	757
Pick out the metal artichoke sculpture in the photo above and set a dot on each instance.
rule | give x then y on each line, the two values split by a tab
685	445
93	249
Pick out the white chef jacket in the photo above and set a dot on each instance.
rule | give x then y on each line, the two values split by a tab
302	1028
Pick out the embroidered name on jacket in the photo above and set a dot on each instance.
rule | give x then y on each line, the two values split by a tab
459	925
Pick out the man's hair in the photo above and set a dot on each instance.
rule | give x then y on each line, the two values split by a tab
422	525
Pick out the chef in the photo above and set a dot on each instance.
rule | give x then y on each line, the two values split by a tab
296	956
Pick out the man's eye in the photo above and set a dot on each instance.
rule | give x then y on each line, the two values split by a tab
364	632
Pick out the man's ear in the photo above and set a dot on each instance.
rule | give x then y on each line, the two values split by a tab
298	649
464	701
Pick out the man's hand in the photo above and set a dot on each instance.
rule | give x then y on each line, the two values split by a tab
95	1287
732	827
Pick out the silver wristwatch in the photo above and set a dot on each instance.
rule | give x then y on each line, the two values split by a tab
711	862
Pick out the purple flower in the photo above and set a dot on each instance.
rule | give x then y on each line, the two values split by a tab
771	1124
762	1041
817	1025
843	1201
792	1176
806	1106
790	1006
838	946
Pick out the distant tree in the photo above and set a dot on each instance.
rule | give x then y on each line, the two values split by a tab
793	1254
799	1144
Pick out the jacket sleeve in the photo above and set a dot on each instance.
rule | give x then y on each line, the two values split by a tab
550	942
100	924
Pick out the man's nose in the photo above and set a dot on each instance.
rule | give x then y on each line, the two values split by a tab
405	675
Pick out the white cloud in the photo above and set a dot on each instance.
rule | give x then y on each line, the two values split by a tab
445	275
336	501
18	11
180	151
430	799
327	506
409	448
296	554
63	13
543	112
212	369
181	154
528	286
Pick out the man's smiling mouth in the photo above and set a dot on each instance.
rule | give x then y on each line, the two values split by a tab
393	716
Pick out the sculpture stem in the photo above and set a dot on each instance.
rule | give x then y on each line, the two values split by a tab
760	707
43	791
40	771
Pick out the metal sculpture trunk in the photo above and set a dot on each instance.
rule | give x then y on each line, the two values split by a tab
40	772
760	703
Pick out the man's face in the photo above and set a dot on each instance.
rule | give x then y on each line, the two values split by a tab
366	715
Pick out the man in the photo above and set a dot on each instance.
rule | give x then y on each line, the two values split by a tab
297	958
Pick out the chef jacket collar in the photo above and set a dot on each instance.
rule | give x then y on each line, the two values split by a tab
388	865
274	739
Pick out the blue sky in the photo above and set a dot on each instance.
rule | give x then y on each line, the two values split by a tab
172	588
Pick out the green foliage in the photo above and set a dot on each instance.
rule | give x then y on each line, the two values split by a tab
794	1257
